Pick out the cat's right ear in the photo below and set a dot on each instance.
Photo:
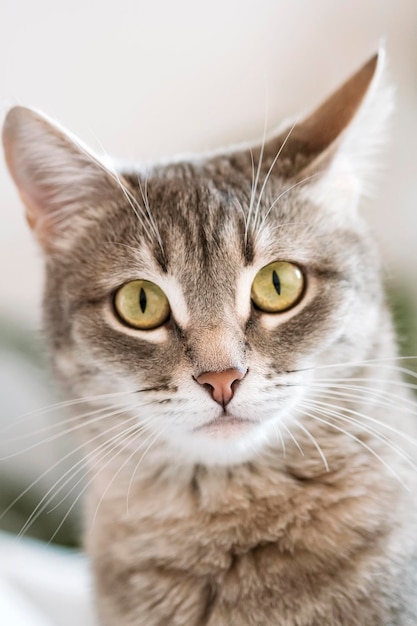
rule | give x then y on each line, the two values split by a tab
59	180
331	151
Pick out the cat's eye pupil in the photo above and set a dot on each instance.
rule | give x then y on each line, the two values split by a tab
277	287
141	304
277	283
142	300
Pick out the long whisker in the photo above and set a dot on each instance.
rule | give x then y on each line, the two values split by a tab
293	438
281	439
381	362
281	195
83	491
117	473
369	396
362	443
258	171
353	379
127	460
44	502
399	401
68	420
125	435
240	207
136	428
110	170
153	440
314	442
270	170
246	220
65	432
135	206
331	410
63	405
144	194
110	445
76	450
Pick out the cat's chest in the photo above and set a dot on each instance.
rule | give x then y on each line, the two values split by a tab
210	522
223	541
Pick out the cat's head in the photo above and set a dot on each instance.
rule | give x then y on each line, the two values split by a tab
204	293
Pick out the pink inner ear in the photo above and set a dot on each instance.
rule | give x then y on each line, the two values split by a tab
31	210
33	202
55	175
38	220
49	170
34	195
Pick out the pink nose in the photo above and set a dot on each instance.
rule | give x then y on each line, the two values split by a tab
221	384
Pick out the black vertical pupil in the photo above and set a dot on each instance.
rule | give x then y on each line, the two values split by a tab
277	282
142	299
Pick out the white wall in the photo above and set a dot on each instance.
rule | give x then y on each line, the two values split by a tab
153	78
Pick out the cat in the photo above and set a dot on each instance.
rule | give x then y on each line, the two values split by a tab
249	440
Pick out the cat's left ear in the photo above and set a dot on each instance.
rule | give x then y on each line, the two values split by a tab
333	149
61	182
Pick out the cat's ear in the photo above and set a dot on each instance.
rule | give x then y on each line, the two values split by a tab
60	182
333	148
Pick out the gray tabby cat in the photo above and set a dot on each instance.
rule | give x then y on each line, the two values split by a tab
248	435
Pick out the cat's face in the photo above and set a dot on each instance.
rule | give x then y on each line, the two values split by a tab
206	272
218	377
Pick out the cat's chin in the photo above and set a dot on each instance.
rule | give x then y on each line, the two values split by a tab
225	426
226	440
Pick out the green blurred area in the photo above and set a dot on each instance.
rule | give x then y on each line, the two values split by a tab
29	346
404	314
19	502
47	527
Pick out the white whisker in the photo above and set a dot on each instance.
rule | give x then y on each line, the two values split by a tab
76	450
258	204
332	411
144	195
362	395
68	420
258	171
63	405
281	195
382	361
314	442
153	440
110	170
127	460
362	443
398	383
110	445
85	489
97	452
293	438
281	439
409	403
44	503
67	431
37	511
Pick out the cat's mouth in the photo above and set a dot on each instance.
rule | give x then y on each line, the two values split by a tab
225	424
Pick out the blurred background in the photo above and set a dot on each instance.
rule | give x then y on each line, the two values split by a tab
151	79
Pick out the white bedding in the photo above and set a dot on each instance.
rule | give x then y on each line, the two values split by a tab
42	585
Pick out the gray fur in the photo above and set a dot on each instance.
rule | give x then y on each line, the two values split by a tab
185	529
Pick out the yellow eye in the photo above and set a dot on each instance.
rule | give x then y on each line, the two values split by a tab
277	287
142	304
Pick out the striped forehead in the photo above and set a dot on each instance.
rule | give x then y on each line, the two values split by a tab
208	252
206	274
195	304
